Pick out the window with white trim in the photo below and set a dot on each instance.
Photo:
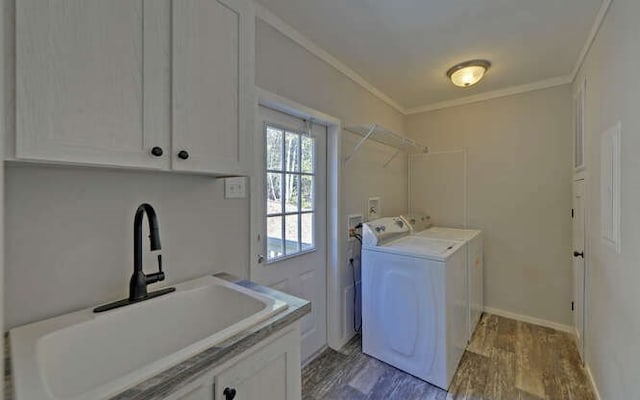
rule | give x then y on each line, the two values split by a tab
289	186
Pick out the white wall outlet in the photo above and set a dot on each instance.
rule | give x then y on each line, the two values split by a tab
235	188
374	209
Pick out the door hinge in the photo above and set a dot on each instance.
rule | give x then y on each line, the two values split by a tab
572	306
572	213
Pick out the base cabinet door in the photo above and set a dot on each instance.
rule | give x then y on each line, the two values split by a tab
272	373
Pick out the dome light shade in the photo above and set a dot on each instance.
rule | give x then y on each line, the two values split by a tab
468	73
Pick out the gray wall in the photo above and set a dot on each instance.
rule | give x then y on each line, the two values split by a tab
69	239
612	95
518	193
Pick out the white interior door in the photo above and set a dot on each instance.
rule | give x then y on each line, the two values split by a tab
579	260
289	216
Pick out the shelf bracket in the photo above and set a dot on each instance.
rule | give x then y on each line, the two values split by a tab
391	159
360	143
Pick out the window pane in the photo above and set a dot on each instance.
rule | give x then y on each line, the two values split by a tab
291	234
274	238
307	231
274	193
292	152
308	153
292	192
306	190
274	148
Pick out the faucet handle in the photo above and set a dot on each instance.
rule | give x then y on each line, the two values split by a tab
158	276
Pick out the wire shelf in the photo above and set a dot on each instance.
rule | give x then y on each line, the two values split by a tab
382	135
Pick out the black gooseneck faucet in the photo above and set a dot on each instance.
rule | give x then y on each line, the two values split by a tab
139	280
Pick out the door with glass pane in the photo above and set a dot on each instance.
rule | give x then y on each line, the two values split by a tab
289	219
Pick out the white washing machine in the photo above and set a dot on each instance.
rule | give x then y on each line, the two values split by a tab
414	311
473	244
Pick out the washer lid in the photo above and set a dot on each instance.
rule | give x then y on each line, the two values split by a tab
423	247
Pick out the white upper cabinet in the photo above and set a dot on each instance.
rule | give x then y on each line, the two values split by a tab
212	84
81	82
132	83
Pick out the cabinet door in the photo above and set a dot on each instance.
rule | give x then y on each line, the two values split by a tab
272	373
212	81
81	96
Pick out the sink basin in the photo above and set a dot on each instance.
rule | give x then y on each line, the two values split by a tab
83	355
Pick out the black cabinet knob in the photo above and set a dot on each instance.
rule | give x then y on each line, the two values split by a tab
229	393
578	254
157	151
183	154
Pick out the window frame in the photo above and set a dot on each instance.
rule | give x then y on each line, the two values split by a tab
299	174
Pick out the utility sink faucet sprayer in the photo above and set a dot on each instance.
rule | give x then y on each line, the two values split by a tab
139	280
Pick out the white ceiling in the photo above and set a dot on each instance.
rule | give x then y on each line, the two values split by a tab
404	47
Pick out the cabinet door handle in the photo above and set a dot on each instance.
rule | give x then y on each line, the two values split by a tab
157	151
229	393
183	154
578	254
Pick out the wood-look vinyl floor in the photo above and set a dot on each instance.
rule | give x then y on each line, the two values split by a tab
506	360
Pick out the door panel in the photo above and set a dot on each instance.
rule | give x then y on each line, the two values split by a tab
302	275
579	260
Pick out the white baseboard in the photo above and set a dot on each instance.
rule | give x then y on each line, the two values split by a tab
593	382
313	356
532	320
343	342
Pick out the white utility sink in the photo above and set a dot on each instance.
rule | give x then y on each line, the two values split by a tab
91	356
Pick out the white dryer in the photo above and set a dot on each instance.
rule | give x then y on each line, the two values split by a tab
414	311
473	243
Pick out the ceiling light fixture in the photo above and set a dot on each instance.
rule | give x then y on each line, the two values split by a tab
468	73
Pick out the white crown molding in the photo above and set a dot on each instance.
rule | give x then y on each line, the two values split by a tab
604	8
510	91
290	32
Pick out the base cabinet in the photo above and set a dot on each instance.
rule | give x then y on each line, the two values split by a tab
272	373
269	371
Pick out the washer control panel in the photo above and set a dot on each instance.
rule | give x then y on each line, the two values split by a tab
417	222
383	230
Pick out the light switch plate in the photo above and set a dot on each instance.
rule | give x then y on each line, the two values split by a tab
235	188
